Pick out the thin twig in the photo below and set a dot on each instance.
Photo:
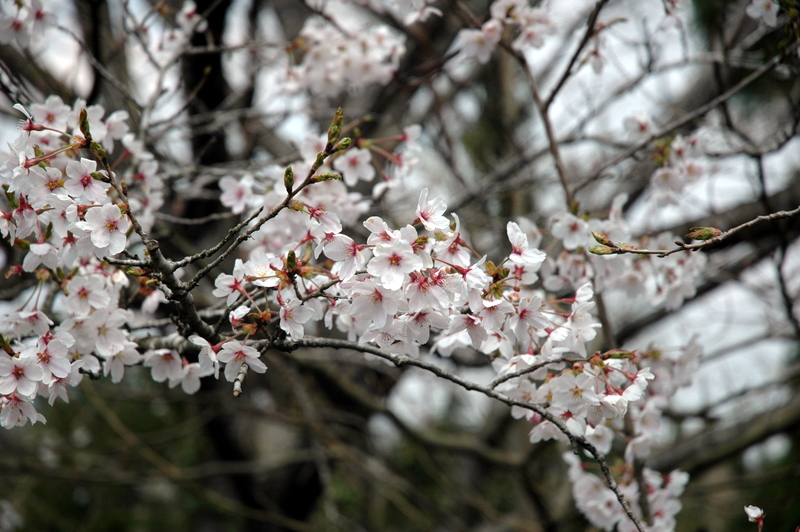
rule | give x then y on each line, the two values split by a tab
587	35
619	249
232	232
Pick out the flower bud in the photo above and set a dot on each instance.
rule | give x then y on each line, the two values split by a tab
344	144
100	177
601	250
24	245
11	198
617	353
602	238
83	124
98	149
703	233
288	179
335	131
39	153
291	261
319	161
325	177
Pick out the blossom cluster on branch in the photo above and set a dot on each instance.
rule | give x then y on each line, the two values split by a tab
400	289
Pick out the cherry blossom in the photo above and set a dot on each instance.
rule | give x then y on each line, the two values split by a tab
293	316
236	193
232	285
189	378
374	302
108	227
17	410
344	250
764	10
392	262
480	44
164	364
19	375
571	230
234	355
355	165
430	212
86	293
519	247
82	184
754	513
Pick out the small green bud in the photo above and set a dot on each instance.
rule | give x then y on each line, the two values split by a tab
98	149
291	261
618	353
11	198
601	238
704	233
326	177
601	250
24	245
335	131
39	153
319	161
344	144
83	123
288	179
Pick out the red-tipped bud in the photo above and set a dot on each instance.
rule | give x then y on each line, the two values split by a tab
703	233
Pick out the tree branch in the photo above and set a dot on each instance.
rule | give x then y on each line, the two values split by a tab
403	360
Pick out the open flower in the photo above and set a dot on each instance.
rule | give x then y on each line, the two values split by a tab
82	184
355	165
234	354
430	212
754	513
520	253
392	262
19	375
293	316
108	226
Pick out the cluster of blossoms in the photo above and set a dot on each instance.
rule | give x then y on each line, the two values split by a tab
600	505
65	215
665	280
404	287
400	289
681	167
532	25
22	21
345	55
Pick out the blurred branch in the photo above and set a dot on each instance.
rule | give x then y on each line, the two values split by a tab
176	474
588	33
428	437
717	444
